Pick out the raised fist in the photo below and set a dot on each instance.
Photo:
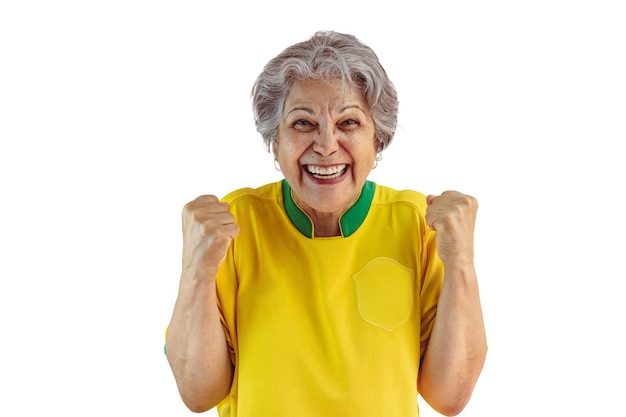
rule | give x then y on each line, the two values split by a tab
208	230
453	216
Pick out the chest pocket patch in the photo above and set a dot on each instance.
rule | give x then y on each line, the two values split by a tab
383	289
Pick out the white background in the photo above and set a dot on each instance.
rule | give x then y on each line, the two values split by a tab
114	114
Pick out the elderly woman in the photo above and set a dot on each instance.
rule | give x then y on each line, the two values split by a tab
325	294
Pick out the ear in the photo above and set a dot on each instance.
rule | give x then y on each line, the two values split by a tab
274	147
378	145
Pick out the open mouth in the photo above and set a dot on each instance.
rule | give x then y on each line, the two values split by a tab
326	173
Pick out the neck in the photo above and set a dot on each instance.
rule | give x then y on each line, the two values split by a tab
325	224
334	222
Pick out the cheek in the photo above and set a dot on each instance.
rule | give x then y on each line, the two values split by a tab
290	151
366	157
288	156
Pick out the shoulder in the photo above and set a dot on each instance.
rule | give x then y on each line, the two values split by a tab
391	196
265	197
268	192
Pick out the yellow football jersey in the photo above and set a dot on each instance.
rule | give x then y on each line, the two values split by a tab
330	326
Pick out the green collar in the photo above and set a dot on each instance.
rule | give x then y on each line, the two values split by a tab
349	221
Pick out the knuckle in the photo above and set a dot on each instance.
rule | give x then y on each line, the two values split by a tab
471	203
200	201
209	228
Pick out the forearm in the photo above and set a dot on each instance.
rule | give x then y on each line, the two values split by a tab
196	346
457	346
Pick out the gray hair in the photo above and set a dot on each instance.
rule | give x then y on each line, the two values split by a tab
326	54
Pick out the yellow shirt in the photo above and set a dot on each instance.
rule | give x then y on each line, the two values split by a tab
328	326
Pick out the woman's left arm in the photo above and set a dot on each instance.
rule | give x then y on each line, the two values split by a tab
457	347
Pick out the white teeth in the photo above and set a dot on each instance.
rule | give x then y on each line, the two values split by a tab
326	172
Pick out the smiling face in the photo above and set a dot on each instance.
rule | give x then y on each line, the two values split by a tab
325	147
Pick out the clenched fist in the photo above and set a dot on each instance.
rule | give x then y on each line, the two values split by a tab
453	216
208	230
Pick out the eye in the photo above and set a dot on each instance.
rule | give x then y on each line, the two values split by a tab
302	125
349	124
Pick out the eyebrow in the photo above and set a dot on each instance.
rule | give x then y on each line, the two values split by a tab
306	109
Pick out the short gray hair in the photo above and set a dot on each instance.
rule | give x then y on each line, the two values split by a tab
326	54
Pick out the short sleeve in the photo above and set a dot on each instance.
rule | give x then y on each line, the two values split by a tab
430	288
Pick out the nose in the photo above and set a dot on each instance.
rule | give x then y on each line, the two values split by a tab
326	141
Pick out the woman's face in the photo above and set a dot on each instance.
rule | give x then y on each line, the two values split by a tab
325	146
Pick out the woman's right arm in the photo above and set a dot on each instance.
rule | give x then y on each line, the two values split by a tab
196	344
